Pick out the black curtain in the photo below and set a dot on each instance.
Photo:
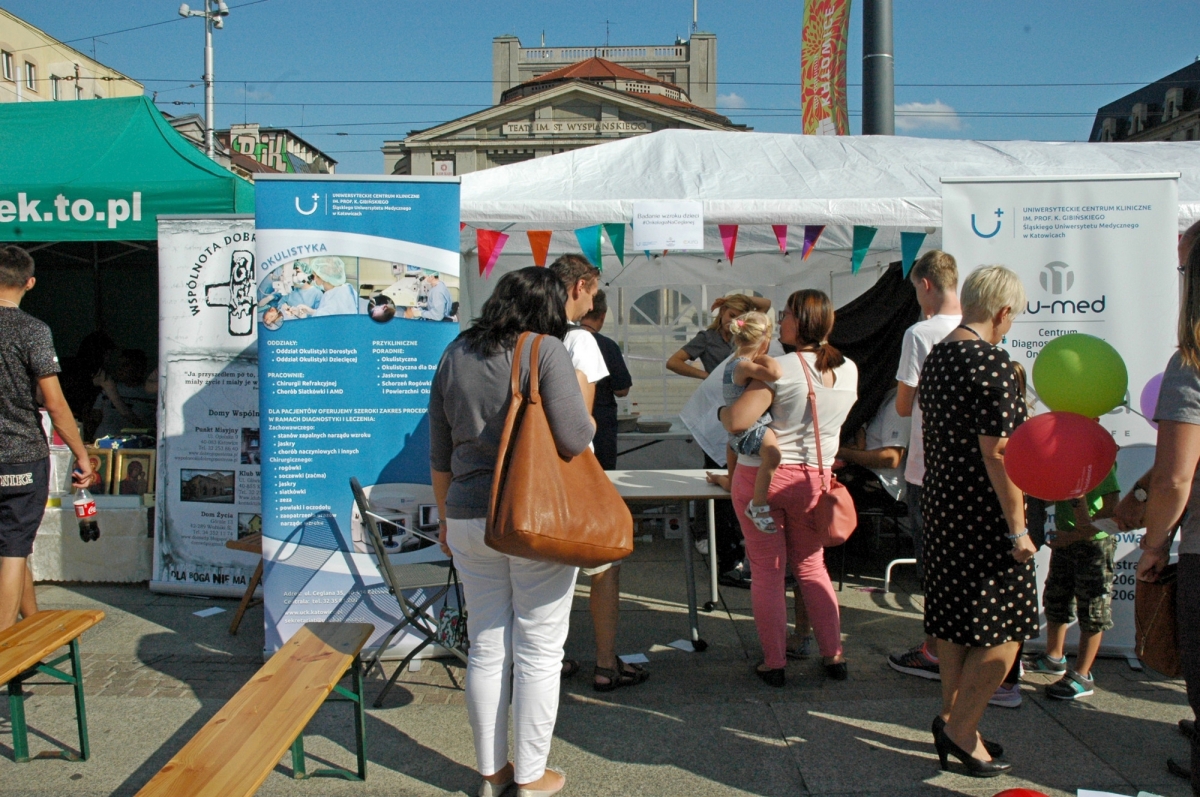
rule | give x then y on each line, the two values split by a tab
869	331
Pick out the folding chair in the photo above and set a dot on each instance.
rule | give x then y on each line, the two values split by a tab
433	577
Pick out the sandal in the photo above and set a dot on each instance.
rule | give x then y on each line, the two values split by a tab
761	517
569	668
617	678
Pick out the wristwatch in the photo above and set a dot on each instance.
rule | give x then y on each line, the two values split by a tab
1140	494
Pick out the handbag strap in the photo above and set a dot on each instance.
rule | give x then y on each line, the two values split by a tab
533	366
812	403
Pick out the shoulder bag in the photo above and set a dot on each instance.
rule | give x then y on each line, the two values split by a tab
1156	633
835	517
545	507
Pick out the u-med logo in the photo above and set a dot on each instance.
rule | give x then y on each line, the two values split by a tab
991	234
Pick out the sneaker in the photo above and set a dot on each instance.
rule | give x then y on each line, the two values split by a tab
738	576
1041	663
761	516
1071	686
915	662
1006	696
702	546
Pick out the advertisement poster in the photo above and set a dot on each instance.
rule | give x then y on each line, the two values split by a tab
356	290
826	25
207	490
1097	256
676	224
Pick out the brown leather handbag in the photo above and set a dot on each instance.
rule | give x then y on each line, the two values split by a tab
1156	634
835	516
545	507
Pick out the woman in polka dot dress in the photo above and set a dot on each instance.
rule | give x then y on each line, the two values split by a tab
980	589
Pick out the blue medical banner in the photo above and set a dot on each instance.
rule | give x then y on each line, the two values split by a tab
356	298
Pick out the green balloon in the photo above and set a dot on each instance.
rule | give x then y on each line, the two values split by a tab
1080	373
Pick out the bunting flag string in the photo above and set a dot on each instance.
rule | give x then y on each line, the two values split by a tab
863	236
780	231
812	232
539	244
489	244
910	244
589	243
616	238
729	239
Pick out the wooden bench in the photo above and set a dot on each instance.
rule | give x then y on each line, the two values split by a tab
251	543
237	749
22	648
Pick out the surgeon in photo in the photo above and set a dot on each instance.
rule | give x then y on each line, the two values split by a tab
339	297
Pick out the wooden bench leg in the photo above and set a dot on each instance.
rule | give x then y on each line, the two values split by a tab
247	599
356	695
16	709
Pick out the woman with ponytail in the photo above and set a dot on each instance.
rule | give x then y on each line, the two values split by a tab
805	323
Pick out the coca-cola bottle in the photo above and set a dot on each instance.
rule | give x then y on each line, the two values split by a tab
85	513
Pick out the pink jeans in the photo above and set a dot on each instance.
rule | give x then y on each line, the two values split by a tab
793	494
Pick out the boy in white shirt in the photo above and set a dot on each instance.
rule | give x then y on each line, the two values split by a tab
935	278
582	280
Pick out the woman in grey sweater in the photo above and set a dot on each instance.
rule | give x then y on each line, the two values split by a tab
519	610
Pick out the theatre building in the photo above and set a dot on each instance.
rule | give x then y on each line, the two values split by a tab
590	101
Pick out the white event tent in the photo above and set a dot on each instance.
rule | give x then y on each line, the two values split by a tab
759	179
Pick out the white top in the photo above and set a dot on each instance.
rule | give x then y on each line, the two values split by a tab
919	339
342	300
585	353
792	420
888	430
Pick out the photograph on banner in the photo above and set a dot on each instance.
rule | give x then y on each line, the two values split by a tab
208	461
367	264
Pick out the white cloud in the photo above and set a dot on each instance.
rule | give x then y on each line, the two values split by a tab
731	100
935	115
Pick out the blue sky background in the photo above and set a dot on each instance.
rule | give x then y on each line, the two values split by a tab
272	52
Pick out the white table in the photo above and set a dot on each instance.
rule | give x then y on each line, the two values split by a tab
679	487
636	441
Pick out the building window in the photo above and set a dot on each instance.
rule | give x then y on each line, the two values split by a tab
7	59
666	77
54	87
30	76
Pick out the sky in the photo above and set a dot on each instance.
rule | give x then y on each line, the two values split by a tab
348	75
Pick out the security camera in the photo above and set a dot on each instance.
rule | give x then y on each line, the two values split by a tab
219	23
185	10
222	9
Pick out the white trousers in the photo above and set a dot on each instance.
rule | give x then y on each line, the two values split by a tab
518	614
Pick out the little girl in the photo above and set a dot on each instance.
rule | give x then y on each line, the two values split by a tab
751	334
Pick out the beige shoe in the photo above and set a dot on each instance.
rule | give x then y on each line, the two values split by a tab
544	792
489	789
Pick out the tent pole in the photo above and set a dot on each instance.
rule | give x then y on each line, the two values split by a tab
96	286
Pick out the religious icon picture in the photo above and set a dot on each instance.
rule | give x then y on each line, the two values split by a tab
133	471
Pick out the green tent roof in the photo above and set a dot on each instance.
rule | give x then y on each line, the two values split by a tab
103	170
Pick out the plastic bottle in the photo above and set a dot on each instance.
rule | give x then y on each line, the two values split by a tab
85	513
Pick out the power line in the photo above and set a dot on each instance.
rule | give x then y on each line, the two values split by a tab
721	83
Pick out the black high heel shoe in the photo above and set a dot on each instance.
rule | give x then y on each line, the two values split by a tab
975	767
770	677
995	749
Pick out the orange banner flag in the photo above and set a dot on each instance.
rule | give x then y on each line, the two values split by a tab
539	244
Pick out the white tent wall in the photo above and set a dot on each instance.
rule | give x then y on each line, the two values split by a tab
756	180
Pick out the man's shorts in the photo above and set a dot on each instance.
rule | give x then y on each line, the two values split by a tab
1081	575
24	488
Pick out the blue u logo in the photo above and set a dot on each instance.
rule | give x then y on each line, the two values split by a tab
991	234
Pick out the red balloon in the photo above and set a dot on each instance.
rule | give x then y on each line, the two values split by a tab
1020	793
1059	455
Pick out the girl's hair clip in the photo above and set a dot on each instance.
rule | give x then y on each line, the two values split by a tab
740	322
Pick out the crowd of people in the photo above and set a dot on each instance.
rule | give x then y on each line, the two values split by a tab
938	443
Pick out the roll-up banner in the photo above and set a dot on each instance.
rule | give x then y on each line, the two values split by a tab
1097	255
357	283
207	489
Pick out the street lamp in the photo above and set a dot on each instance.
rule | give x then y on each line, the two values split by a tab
214	14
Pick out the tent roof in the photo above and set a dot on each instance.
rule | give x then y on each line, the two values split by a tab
767	178
103	151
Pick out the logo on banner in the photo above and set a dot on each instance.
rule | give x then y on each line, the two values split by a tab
991	234
1057	277
236	294
316	201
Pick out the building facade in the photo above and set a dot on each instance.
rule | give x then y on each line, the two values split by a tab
578	105
1166	110
277	148
36	67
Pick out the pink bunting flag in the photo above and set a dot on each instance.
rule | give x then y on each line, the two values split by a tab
462	225
781	236
812	232
489	244
728	239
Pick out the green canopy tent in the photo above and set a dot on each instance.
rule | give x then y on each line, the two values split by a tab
81	187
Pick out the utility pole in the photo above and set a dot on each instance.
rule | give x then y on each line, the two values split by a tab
214	14
879	71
